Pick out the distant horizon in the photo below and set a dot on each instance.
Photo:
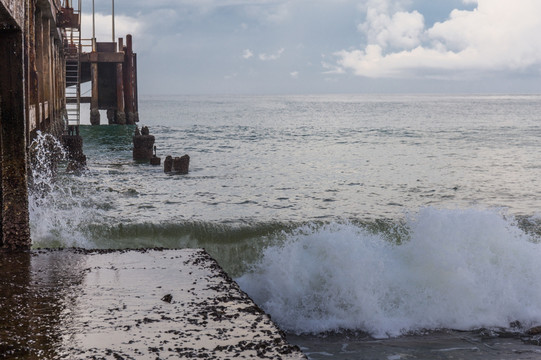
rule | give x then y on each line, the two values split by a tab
352	93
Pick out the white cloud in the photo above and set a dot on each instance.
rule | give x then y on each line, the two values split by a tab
123	25
498	35
269	57
399	30
389	26
332	68
294	74
246	54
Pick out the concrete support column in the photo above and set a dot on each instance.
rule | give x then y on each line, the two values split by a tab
94	111
129	81
143	144
46	68
15	222
39	64
120	115
31	75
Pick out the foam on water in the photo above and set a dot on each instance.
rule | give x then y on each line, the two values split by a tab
459	269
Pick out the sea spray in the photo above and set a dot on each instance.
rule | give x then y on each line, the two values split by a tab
45	154
56	213
460	269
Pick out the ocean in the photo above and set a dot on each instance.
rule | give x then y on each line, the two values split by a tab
365	225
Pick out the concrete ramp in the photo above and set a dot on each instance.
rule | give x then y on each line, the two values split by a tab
148	304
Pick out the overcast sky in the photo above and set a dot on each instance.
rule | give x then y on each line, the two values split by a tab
328	46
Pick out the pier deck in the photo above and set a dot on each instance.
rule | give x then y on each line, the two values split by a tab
148	304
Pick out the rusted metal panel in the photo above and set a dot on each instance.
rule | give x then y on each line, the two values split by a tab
66	18
102	57
106	47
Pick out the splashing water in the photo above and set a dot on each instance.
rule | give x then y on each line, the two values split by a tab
45	154
460	269
55	212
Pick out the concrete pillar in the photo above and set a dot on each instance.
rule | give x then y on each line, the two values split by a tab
73	143
94	111
168	164
143	144
120	115
129	78
29	56
181	164
39	64
46	68
15	222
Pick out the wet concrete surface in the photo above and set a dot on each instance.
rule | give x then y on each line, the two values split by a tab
149	304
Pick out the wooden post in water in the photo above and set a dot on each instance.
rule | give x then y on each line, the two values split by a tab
15	222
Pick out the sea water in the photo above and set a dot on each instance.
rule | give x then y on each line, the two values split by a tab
381	215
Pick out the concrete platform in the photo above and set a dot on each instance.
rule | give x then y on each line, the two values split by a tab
151	304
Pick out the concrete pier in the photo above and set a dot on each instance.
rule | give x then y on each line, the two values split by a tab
111	67
14	221
148	304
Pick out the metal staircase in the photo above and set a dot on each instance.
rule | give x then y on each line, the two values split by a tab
72	51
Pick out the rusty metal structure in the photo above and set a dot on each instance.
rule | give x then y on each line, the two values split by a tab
112	69
42	65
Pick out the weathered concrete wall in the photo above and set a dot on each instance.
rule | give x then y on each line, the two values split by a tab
12	13
14	213
45	68
32	92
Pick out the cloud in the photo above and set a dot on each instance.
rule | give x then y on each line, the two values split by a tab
294	74
246	54
399	30
270	57
123	25
496	36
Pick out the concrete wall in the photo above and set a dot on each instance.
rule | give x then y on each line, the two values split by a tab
12	12
32	89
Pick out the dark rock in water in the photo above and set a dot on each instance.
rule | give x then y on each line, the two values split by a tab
74	146
515	325
168	164
181	164
155	160
168	298
536	330
142	147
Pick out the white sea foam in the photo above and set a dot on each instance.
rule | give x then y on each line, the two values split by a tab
460	269
56	214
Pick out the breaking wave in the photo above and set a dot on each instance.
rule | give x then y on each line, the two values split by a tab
458	269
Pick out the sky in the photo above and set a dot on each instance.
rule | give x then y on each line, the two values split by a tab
328	46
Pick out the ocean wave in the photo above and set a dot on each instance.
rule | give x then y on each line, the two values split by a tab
459	269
